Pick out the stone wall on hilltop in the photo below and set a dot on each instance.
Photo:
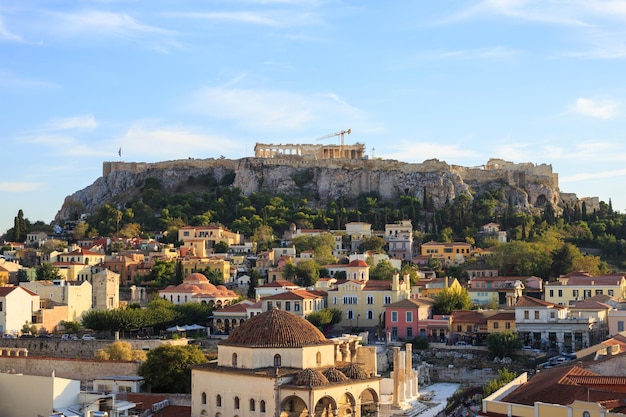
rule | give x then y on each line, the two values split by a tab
527	185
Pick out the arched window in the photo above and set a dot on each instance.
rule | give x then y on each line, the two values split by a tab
277	360
218	400
262	406
204	398
234	359
318	358
370	314
236	403
252	404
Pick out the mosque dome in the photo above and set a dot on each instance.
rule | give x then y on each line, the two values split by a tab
310	378
355	371
276	328
335	375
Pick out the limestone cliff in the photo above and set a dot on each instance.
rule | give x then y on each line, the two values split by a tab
527	186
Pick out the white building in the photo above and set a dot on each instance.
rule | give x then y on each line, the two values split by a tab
17	305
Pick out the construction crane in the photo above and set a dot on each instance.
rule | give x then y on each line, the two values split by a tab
341	133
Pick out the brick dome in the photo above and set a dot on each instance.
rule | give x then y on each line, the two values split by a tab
355	371
276	328
310	378
335	375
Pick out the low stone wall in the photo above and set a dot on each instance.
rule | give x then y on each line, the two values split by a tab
78	369
79	349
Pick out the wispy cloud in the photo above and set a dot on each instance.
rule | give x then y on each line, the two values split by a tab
19	187
103	23
77	122
7	35
275	18
604	109
419	151
588	176
172	142
273	110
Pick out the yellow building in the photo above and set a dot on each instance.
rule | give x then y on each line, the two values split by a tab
204	238
453	253
362	302
501	322
432	287
579	286
278	364
214	264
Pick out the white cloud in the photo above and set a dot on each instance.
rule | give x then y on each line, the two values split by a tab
171	142
97	22
606	109
586	176
77	122
18	187
420	151
271	110
6	34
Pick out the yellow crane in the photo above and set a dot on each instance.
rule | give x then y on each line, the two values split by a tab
340	133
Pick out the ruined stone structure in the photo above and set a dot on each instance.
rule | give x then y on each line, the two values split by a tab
356	151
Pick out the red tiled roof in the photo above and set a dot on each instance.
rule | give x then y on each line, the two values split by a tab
526	301
505	315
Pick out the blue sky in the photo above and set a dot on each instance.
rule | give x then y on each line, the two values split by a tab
464	81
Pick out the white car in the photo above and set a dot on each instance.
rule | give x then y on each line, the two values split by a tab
88	337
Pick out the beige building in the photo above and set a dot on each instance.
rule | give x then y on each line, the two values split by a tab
77	295
204	238
17	394
578	286
106	290
278	364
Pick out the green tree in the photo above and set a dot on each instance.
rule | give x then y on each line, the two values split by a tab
120	351
502	344
372	243
254	282
307	273
504	377
382	271
47	272
221	247
71	326
450	299
19	227
168	368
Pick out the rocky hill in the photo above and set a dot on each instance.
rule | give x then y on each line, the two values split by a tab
528	186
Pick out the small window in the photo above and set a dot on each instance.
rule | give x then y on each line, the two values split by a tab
203	400
236	403
496	324
277	361
218	400
262	406
234	359
318	358
394	316
536	315
252	404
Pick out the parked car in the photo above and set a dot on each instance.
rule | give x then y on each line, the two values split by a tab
27	336
88	337
69	337
45	336
461	343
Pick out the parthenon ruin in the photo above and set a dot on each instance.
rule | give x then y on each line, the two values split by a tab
309	151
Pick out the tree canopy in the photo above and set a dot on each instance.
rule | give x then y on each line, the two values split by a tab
167	368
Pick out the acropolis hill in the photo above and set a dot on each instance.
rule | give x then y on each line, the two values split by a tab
316	172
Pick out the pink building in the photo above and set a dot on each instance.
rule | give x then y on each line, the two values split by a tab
413	317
